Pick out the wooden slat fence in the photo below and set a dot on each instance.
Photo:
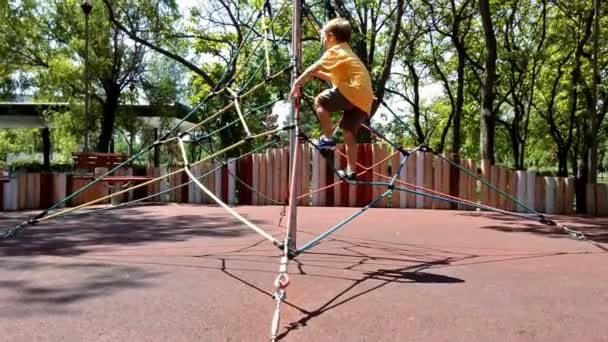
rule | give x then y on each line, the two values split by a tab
267	174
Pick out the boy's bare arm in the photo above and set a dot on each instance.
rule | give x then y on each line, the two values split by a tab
322	75
315	70
308	74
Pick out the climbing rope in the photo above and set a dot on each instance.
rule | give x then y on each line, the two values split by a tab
280	284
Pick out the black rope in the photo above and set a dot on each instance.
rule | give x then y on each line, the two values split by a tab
303	136
407	128
253	111
541	218
119	206
242	182
261	64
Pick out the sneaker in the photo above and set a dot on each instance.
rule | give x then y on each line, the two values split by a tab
326	144
347	175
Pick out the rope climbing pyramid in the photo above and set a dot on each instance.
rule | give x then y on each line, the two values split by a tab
235	93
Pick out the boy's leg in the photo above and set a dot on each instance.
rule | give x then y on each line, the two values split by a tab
328	101
350	123
350	140
324	120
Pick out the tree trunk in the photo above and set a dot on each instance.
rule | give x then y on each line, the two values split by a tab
516	149
574	163
519	165
46	148
581	183
488	117
456	130
562	162
107	121
583	174
593	114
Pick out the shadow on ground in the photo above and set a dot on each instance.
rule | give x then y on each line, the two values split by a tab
64	284
134	226
366	265
595	229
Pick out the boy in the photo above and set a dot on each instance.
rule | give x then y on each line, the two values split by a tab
351	92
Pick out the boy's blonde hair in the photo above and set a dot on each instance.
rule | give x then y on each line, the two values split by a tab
339	28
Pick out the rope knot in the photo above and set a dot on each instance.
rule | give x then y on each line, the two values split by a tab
546	221
282	281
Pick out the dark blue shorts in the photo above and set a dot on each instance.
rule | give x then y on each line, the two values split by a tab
332	101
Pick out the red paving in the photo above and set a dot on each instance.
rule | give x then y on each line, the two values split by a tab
191	273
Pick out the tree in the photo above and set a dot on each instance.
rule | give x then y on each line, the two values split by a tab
455	26
487	115
524	59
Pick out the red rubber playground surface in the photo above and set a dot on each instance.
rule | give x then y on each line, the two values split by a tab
193	273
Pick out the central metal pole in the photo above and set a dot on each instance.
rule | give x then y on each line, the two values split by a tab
296	51
86	8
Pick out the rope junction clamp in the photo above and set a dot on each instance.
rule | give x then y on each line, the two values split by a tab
280	293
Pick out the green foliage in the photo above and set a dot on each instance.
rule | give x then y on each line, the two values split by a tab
36	166
42	47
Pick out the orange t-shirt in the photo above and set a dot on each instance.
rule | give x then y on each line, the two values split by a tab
349	75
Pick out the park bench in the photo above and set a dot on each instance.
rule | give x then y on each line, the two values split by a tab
91	165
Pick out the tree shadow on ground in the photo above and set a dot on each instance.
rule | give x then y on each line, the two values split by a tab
66	284
133	226
596	229
367	265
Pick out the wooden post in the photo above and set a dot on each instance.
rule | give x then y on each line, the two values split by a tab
263	178
284	186
22	190
2	191
398	198
549	195
522	181
591	200
379	152
316	177
203	198
11	193
322	165
502	185
211	181
446	170
270	166
513	189
428	178
164	184
305	184
463	185
531	189
569	193
539	192
485	190
352	189
32	195
437	180
412	178
560	195
156	149
420	165
494	195
193	189
473	183
601	198
59	188
337	190
255	177
231	182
